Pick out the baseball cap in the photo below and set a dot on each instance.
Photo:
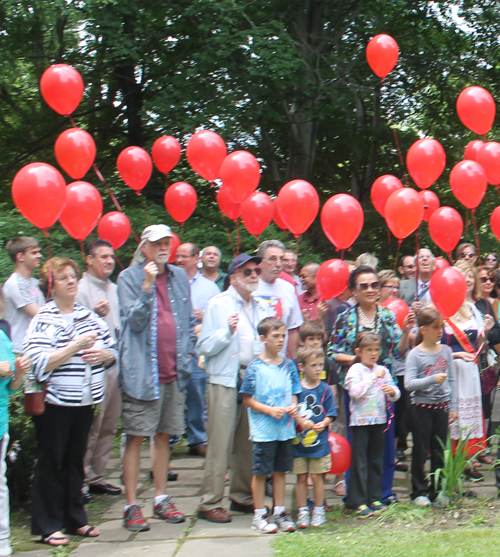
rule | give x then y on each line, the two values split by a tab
156	232
240	260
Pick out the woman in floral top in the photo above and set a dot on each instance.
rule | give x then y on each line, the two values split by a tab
368	315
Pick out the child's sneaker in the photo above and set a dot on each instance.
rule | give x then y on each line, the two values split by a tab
134	521
285	523
263	524
422	501
363	511
167	511
378	507
318	517
303	519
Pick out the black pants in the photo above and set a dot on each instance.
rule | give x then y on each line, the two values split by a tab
365	480
402	415
429	425
57	495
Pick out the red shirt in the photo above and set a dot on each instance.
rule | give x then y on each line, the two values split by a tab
309	304
166	339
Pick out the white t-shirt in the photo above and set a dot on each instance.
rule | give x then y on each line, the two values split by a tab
281	296
20	292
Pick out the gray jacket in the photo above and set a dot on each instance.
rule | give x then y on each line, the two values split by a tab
138	376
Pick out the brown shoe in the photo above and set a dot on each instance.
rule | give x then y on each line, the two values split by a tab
215	515
238	508
200	450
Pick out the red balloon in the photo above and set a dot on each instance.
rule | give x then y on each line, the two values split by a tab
425	160
448	290
331	278
382	189
382	53
430	201
62	88
472	150
240	174
174	244
488	157
39	192
180	201
445	228
257	212
227	205
440	263
468	182
495	223
342	220
340	449
298	205
278	221
115	228
75	152
166	153
476	109
404	211
82	211
399	308
205	153
135	167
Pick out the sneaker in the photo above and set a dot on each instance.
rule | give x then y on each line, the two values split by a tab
133	519
5	549
303	519
422	501
363	511
378	507
318	517
166	510
284	522
263	524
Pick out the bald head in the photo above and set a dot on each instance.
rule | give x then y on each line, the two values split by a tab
308	277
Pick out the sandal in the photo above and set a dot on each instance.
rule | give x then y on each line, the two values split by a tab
485	459
87	532
55	541
339	488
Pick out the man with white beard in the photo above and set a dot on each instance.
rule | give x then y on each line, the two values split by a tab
229	341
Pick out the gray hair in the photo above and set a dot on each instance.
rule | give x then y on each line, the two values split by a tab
261	251
433	257
367	259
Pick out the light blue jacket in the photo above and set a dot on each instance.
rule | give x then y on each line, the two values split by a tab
6	355
217	344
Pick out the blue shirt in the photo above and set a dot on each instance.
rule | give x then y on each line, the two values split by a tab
6	355
315	405
274	386
202	291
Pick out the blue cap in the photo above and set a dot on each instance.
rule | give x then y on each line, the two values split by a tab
240	260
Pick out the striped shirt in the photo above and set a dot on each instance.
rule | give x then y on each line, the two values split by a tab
49	332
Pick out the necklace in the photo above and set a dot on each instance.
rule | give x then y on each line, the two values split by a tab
365	322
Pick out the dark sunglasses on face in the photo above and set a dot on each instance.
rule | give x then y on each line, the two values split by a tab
248	272
491	259
468	255
363	286
486	279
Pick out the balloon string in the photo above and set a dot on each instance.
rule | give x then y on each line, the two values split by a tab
72	121
417	249
182	229
82	252
342	253
227	231
450	258
297	244
401	160
166	180
143	202
118	261
484	138
474	224
397	254
49	247
466	220
238	238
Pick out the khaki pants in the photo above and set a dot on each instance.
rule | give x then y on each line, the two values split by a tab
228	446
103	431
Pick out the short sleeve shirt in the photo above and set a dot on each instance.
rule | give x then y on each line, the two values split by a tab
272	385
20	292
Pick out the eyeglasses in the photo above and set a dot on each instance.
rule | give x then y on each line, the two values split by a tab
486	279
491	259
391	287
468	255
66	278
248	272
363	286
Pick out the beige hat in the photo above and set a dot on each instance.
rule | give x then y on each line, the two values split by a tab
156	232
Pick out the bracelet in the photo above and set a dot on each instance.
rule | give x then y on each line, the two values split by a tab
12	370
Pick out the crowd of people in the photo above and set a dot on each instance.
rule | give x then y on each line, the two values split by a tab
252	367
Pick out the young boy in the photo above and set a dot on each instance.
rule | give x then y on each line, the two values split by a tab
311	334
270	390
316	411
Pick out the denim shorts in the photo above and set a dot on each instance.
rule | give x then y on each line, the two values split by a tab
272	456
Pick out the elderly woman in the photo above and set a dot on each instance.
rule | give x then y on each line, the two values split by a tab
70	348
467	334
368	315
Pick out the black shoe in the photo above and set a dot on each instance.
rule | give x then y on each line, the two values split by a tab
400	455
401	467
105	488
237	508
87	498
171	476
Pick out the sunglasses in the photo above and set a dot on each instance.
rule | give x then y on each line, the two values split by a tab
486	279
468	255
363	286
491	259
248	272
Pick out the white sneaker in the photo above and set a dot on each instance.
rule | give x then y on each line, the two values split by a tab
263	524
285	523
303	519
5	549
422	501
318	517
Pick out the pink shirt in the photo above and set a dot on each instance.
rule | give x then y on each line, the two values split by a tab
309	304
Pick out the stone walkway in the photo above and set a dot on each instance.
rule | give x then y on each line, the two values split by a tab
195	537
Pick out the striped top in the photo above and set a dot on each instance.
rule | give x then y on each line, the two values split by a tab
49	332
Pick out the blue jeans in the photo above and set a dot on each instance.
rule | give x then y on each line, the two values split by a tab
196	430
